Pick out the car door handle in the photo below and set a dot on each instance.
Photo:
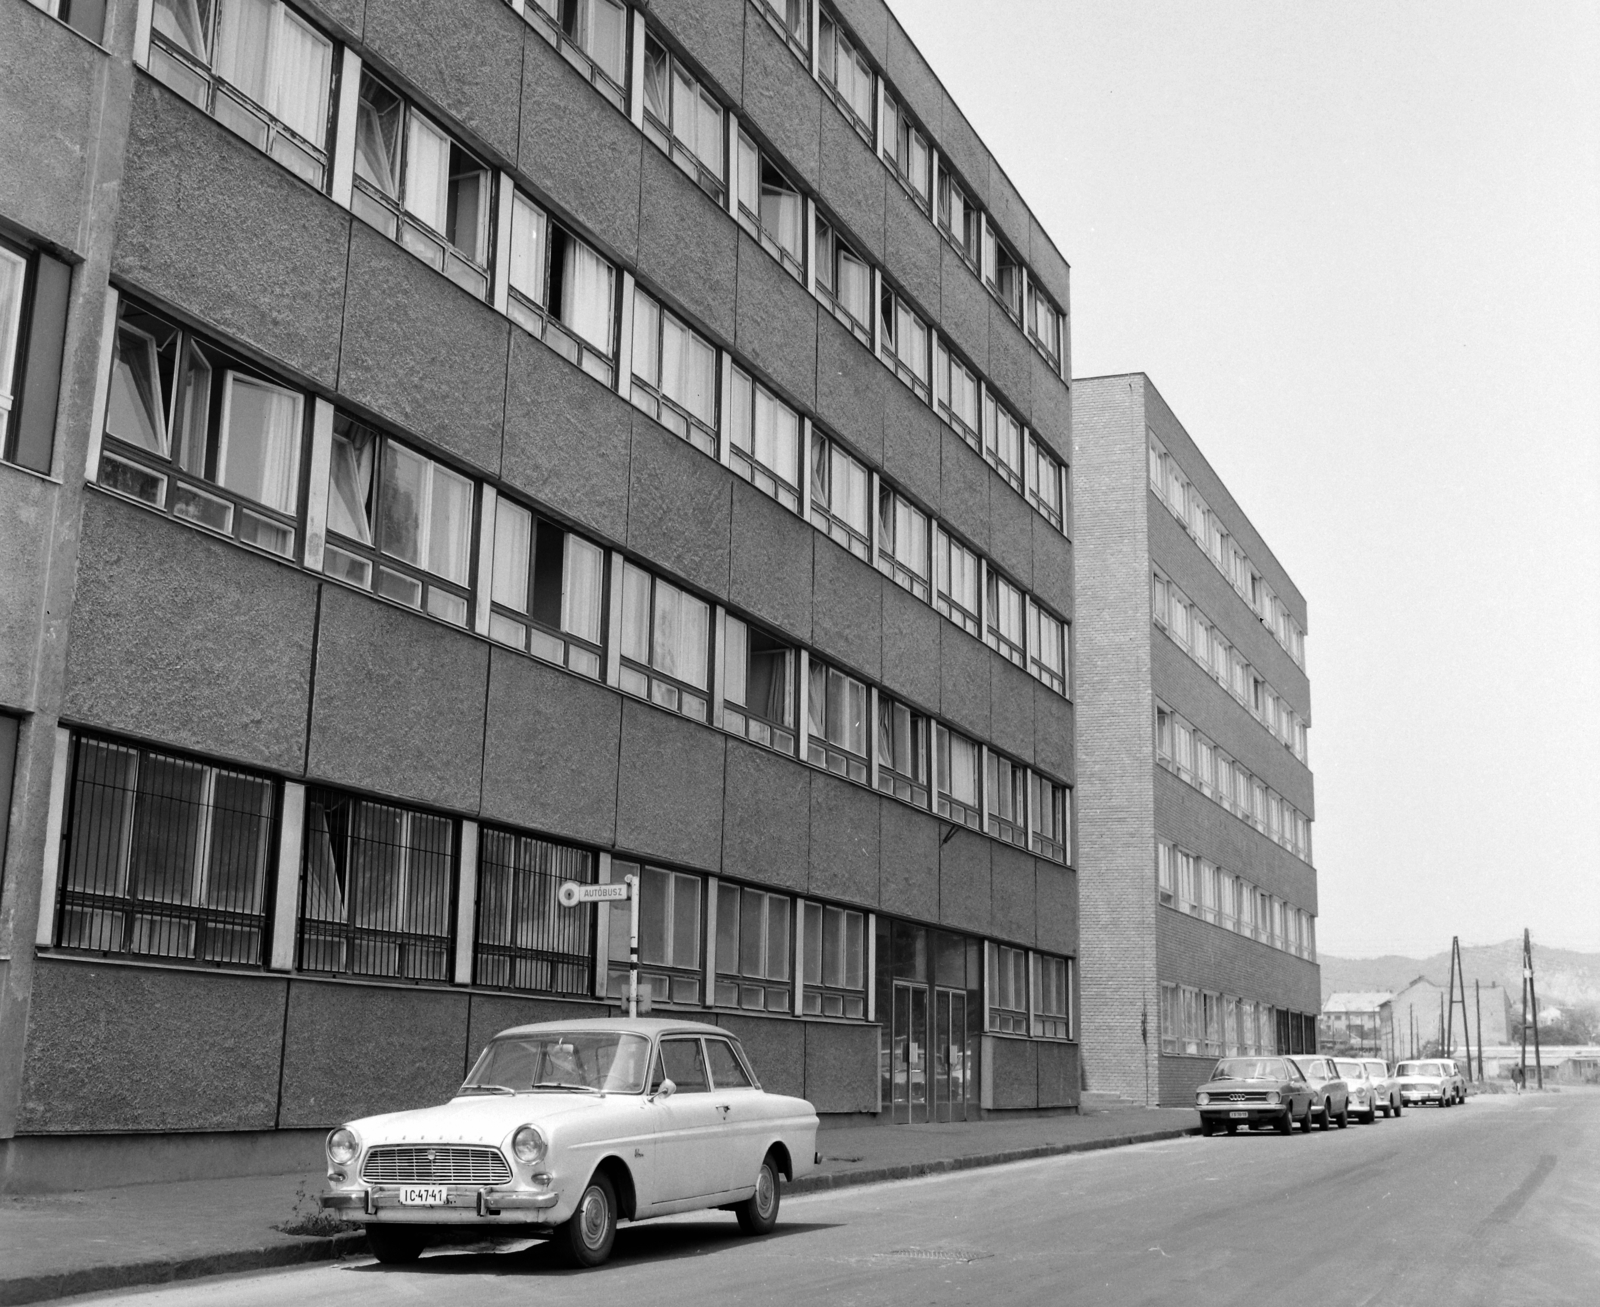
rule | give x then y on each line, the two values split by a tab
724	1108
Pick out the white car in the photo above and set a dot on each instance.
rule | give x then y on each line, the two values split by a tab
569	1126
1425	1080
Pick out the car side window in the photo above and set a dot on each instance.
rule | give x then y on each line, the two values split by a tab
726	1071
682	1063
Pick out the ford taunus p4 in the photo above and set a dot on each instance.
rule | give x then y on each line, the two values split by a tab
567	1127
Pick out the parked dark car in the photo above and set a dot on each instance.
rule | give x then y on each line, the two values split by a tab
1330	1093
1251	1092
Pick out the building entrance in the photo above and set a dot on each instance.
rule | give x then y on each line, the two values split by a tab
930	1006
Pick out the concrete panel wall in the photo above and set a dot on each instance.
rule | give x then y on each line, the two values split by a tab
842	1067
1010	1074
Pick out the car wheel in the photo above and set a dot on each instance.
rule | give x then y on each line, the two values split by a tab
1230	1127
1394	1108
1305	1121
1344	1115
1370	1115
585	1239
395	1243
1205	1127
759	1212
1286	1121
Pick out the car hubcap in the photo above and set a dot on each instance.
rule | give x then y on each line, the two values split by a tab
592	1218
766	1192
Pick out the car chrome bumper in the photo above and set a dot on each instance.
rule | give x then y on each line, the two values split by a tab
1253	1112
461	1202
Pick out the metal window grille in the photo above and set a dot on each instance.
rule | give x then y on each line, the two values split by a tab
378	887
165	856
525	938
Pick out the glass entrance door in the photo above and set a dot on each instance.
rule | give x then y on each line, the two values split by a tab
950	1060
909	1054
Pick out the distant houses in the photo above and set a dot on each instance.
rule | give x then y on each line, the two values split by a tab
1412	1021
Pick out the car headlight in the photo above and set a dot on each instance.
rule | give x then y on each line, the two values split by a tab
1202	1099
528	1145
343	1146
1272	1096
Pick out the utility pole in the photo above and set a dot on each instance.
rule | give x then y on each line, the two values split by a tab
1458	973
1533	993
1449	1043
1477	999
1527	975
1441	1052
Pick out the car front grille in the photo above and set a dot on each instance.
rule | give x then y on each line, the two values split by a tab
1245	1096
435	1164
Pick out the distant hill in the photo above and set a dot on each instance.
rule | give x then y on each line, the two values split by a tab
1563	977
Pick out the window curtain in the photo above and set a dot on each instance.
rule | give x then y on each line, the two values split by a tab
402	496
513	543
13	271
605	37
656	89
350	483
681	627
777	436
193	410
688	370
781	213
427	172
635	614
259	450
580	590
586	297
854	287
450	525
302	72
527	250
244	45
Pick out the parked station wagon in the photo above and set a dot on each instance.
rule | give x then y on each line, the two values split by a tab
566	1127
1251	1091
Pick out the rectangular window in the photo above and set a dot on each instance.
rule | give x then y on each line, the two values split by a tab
846	76
1045	478
674	374
1007	794
960	221
957	778
955	393
200	435
754	939
1052	1012
844	281
905	343
835	962
791	19
671	953
1165	854
1190	999
592	35
905	150
1211	1024
1007	612
561	291
1206	765
1051	815
1008	990
1246	907
1163	734
256	66
760	686
764	440
548	590
1044	324
34	294
13	293
525	938
770	208
1002	442
1002	273
1208	890
403	523
902	752
1185	754
956	574
902	542
164	856
418	187
1171	1020
665	644
841	496
1263	916
683	118
378	890
837	710
1047	648
1188	892
1160	601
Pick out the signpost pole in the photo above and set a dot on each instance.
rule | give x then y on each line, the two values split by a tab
633	945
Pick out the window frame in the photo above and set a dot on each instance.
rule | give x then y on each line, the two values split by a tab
663	688
1005	441
1039	304
1005	792
824	683
684	981
710	176
745	438
553	27
529	948
759	727
890	562
828	456
796	36
561	647
1046	470
534	314
958	811
1050	803
832	252
969	619
1007	1017
1005	602
896	314
650	396
911	785
1001	266
763	989
851	999
1042	623
752	220
1050	1021
901	136
946	363
969	243
833	40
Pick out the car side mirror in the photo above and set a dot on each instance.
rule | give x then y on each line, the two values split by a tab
666	1089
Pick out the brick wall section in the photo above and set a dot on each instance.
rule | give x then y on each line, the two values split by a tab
1130	945
1116	751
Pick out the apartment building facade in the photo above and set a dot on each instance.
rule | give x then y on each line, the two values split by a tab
456	448
1197	889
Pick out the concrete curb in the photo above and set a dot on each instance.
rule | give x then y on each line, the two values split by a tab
811	1184
165	1270
97	1279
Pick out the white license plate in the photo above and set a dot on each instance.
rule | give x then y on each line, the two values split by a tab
1241	1116
433	1195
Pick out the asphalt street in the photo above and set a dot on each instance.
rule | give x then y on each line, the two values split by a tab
1494	1202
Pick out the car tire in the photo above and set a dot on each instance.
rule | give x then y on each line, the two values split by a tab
1371	1115
1344	1116
1394	1108
586	1237
1286	1122
1205	1128
1231	1127
1326	1119
1305	1121
759	1212
395	1244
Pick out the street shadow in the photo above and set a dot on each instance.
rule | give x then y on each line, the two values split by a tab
647	1242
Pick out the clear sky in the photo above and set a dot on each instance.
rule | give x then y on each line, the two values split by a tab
1356	246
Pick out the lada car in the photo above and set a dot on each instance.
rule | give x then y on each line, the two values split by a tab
1330	1095
1365	1092
1253	1091
1386	1088
566	1127
1425	1080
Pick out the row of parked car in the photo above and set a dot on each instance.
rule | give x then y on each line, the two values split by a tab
1282	1092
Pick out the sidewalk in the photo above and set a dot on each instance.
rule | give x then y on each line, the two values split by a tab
52	1245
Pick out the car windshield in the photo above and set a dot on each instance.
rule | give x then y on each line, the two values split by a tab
1348	1069
1418	1069
572	1060
1249	1068
1379	1070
